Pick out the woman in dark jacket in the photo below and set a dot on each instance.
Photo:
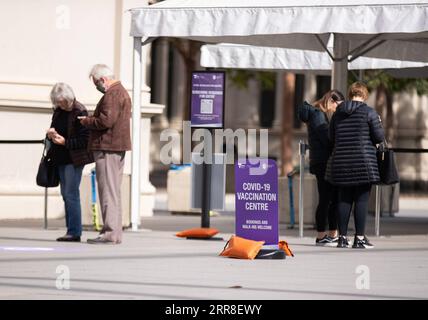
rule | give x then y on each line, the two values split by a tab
355	129
317	119
69	153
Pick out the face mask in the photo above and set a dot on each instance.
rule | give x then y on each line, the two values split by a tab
100	87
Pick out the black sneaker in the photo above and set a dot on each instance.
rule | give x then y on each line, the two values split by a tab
69	238
343	242
333	241
362	243
326	241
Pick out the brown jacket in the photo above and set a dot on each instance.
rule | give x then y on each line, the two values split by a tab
110	124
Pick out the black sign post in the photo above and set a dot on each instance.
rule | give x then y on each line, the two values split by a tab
207	112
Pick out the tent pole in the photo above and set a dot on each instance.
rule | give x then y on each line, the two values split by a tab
377	210
360	75
302	153
339	73
136	138
46	209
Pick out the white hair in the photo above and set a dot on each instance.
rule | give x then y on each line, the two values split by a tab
99	71
62	91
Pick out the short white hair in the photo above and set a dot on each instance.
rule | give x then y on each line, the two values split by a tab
62	91
99	71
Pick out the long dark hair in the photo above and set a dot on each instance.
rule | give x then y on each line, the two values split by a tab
322	103
334	95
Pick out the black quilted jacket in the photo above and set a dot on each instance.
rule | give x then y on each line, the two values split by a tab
355	129
319	146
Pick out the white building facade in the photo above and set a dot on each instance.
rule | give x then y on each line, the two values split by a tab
48	41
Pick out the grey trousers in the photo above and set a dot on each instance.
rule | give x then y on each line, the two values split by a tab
109	172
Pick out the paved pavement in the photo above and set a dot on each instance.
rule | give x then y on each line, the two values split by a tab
412	219
154	264
157	265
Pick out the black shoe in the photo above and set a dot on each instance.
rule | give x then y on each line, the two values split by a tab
342	242
69	238
326	241
100	240
333	241
362	243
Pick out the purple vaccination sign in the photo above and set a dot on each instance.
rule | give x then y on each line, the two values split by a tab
256	202
207	102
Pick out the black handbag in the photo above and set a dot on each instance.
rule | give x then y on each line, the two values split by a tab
47	175
388	172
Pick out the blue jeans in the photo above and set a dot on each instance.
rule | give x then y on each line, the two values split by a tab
69	178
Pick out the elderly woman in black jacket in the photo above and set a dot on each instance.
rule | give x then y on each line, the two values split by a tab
69	153
355	129
317	118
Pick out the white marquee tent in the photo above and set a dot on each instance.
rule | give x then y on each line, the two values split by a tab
386	29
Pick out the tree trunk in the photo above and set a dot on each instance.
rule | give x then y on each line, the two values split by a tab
380	100
384	100
287	124
188	51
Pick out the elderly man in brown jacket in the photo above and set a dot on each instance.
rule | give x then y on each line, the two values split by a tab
109	140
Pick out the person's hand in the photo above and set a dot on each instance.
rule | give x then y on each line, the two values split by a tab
51	132
82	119
58	139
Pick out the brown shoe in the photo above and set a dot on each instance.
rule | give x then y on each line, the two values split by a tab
100	240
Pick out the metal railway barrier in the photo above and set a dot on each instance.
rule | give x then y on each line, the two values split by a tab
302	152
46	189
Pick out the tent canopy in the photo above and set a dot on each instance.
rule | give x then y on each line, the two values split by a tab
304	24
270	58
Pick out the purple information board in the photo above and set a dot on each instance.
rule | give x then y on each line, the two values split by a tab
207	102
256	202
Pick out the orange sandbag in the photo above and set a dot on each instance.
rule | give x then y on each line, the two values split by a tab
202	233
241	248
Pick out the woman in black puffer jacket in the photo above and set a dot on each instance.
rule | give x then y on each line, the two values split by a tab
317	119
355	129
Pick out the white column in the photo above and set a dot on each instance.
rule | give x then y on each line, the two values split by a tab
148	191
339	74
136	138
310	88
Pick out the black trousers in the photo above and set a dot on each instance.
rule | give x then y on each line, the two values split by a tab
359	196
327	203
